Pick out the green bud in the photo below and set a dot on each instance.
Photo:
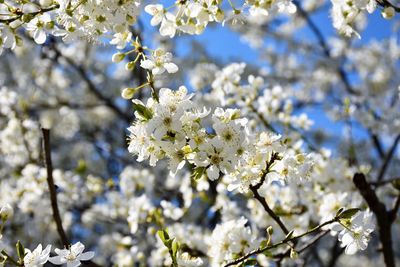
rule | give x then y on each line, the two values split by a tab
118	57
128	93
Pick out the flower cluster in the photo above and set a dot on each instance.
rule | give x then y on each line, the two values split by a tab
344	14
174	128
69	19
229	239
192	17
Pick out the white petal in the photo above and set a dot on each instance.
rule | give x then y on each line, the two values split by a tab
86	256
57	260
171	67
213	173
351	249
39	36
147	64
74	263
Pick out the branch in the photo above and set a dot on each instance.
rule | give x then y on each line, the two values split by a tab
322	42
19	14
284	241
92	87
384	182
388	158
382	216
53	194
312	242
378	145
52	188
270	212
263	202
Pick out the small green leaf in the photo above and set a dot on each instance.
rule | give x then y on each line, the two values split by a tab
198	172
264	243
175	248
347	214
338	212
268	254
250	262
143	111
20	250
163	234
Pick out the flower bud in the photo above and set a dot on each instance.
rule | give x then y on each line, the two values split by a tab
128	93
118	57
6	212
388	12
130	65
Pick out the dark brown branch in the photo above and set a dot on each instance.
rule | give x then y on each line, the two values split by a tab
387	159
270	212
378	145
53	193
52	188
263	202
384	182
382	215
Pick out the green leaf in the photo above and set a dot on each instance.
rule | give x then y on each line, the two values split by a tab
20	250
338	212
268	254
175	248
264	243
250	262
143	111
198	172
163	234
347	214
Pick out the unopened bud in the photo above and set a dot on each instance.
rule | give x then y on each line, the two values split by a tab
130	65
128	93
6	212
388	12
118	57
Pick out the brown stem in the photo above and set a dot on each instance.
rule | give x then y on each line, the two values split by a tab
52	188
53	194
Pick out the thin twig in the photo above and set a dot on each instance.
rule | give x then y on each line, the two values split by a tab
322	42
263	202
387	159
53	194
384	182
284	241
52	188
32	14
